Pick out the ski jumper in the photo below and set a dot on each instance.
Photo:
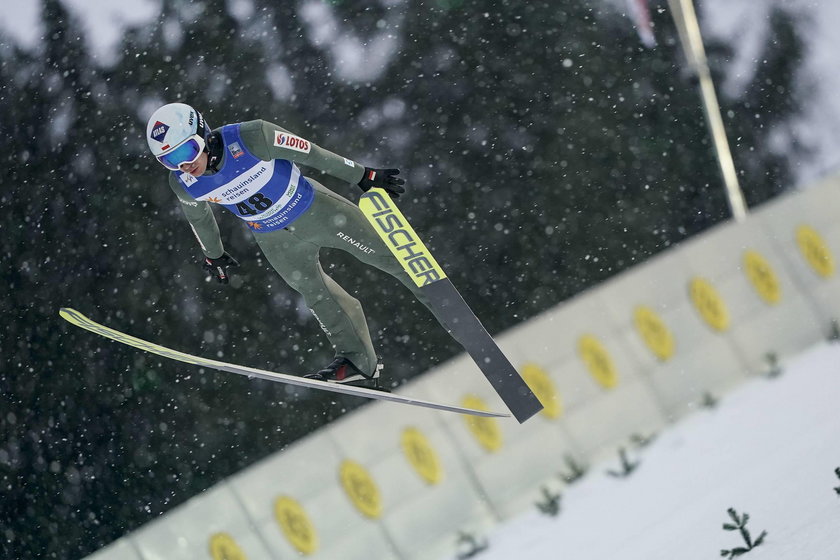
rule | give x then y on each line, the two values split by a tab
292	217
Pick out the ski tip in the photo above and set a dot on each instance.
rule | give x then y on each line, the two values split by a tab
72	316
67	313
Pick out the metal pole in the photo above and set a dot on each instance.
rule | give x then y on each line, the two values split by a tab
692	43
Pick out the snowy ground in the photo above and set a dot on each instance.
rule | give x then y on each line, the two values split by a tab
770	449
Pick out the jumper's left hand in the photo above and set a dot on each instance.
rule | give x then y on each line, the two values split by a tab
383	178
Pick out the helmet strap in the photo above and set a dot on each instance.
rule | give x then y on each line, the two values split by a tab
214	148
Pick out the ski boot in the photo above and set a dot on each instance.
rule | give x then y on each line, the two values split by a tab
343	371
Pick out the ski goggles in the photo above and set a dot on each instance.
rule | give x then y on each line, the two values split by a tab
185	152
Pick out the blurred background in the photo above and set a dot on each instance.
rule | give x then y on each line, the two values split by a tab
547	146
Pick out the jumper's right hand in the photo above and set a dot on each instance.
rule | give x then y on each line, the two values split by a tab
218	267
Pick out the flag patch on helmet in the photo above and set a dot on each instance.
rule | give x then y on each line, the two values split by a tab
159	131
291	142
235	150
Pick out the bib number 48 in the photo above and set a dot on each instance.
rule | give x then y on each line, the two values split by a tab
258	203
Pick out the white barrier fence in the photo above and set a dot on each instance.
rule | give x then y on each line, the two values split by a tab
622	359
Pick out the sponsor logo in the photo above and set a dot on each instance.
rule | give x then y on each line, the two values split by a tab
279	217
159	131
349	162
291	142
235	150
188	178
200	242
403	242
320	323
358	245
244	183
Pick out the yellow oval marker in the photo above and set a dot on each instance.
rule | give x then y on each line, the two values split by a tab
654	332
421	455
598	361
709	304
224	547
762	277
815	250
485	430
295	524
543	387
361	489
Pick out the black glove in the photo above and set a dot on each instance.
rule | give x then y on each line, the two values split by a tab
218	267
384	179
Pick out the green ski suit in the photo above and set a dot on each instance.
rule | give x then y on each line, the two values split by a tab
331	221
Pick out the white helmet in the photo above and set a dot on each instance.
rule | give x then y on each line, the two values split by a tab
176	134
